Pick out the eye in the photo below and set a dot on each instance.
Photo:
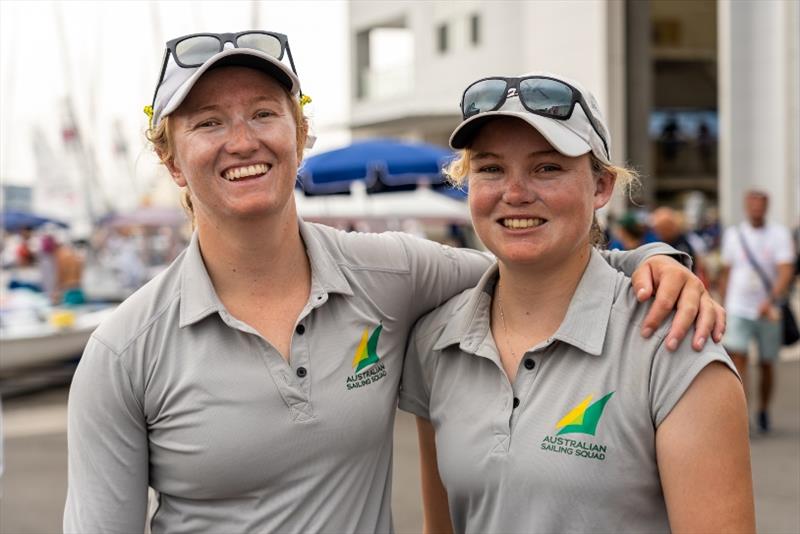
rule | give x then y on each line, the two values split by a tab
489	169
207	123
263	114
548	167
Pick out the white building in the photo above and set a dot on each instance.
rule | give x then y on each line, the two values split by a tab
728	68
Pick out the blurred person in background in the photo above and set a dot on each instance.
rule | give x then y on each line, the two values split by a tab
253	383
629	232
62	270
757	270
539	407
667	225
23	253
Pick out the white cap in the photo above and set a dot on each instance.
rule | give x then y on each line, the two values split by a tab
178	81
573	137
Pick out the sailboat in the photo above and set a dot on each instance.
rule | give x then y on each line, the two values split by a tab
33	332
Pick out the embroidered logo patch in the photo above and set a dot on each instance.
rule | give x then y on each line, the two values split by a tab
582	419
367	365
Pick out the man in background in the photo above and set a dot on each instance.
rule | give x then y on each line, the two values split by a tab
756	273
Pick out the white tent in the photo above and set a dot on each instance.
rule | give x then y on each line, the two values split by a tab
422	204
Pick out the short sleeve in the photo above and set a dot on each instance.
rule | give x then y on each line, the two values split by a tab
107	447
784	250
440	272
672	373
418	367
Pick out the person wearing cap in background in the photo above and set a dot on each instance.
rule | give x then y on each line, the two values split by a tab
253	383
539	406
628	232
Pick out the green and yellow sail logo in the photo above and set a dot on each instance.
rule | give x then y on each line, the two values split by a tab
583	418
367	365
367	351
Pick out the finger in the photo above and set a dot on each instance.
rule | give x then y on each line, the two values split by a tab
685	315
720	324
667	294
704	323
642	282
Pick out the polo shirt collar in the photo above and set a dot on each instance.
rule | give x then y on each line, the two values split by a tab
326	274
586	321
471	323
584	325
199	298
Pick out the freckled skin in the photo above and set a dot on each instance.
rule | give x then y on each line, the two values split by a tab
515	172
235	116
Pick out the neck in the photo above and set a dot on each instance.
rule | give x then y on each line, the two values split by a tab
756	223
535	299
253	257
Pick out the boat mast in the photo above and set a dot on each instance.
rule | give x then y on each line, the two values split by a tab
71	133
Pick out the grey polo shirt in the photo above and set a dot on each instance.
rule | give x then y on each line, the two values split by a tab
570	446
174	393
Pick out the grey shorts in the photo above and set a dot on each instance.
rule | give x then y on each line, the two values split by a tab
767	334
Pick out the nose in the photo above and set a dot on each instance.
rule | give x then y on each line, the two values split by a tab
518	190
241	139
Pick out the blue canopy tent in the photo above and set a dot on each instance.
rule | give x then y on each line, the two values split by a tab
14	221
382	164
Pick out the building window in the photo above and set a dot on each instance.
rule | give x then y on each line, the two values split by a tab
441	38
475	29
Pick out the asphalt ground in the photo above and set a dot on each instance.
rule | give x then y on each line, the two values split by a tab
34	483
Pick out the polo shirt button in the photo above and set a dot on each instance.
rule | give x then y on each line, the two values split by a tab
529	364
516	402
301	372
300	329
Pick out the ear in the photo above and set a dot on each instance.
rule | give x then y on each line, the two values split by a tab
174	171
603	187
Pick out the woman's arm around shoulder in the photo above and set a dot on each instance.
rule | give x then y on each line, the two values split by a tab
660	272
440	272
703	454
107	447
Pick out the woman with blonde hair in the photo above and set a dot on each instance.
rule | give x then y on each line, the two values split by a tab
253	384
540	407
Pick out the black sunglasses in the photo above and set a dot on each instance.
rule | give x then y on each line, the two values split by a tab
540	95
190	51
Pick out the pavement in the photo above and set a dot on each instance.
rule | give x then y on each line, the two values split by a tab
34	484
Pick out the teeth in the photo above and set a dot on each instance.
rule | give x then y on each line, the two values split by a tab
522	223
244	172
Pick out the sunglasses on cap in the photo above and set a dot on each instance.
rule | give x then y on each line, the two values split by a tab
190	51
539	95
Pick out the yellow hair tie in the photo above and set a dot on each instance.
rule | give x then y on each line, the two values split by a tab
148	110
305	99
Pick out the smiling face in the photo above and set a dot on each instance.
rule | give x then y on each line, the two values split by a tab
529	203
235	146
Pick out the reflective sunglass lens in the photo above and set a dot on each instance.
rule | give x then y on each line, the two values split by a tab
195	50
546	96
483	96
268	44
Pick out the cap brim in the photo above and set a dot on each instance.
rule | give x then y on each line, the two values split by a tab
243	57
562	138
